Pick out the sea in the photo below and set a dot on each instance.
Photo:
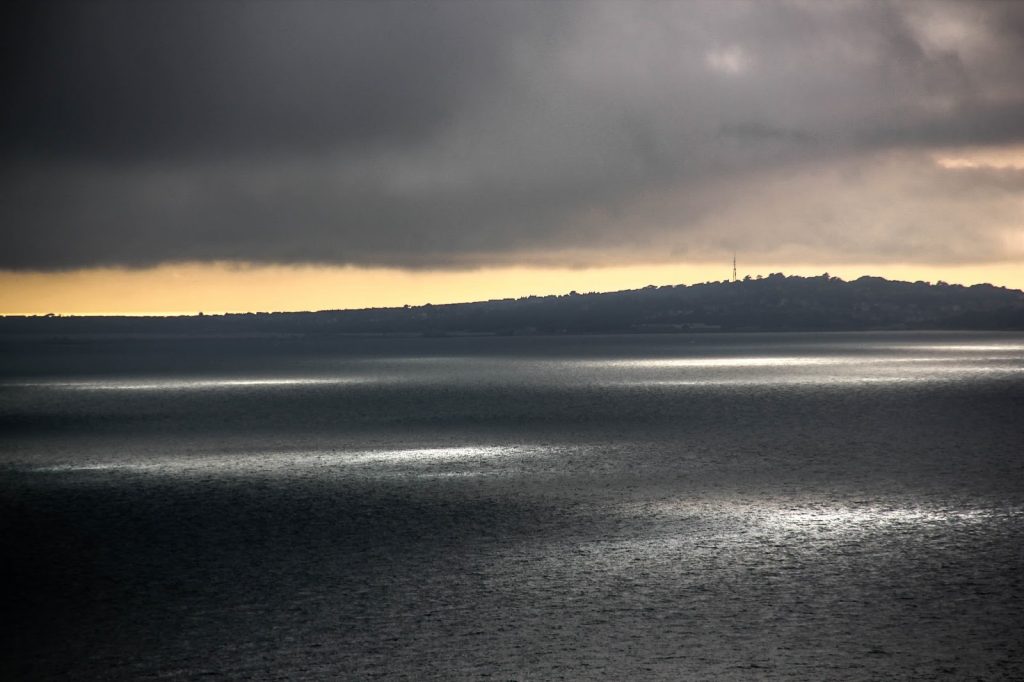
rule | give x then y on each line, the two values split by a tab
819	506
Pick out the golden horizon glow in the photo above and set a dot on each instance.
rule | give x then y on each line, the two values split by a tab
217	288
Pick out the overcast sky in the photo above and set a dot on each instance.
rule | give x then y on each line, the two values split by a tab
452	135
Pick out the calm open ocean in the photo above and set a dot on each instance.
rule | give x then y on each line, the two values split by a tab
763	506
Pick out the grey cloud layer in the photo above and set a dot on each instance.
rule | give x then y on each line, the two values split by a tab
460	134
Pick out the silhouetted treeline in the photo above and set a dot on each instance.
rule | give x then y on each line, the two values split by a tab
774	303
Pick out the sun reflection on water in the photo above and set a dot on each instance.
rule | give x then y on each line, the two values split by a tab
819	517
962	348
192	384
410	461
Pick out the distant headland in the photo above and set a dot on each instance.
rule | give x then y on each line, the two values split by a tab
772	303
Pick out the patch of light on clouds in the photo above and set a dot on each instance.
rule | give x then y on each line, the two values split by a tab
732	60
946	28
1005	157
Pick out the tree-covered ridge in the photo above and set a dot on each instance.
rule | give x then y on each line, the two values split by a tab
772	303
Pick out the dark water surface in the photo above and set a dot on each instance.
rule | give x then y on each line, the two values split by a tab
818	506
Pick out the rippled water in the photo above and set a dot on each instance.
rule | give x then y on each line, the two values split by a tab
661	507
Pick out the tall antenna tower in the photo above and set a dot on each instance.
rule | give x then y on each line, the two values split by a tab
733	266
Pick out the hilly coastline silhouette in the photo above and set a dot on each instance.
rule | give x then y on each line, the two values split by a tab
772	303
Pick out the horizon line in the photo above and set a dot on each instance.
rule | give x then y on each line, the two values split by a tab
728	281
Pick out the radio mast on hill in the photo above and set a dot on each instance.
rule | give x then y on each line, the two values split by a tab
733	266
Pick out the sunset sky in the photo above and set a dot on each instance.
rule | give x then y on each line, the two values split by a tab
172	157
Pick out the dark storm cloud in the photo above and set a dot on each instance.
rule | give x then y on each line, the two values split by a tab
157	80
448	134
